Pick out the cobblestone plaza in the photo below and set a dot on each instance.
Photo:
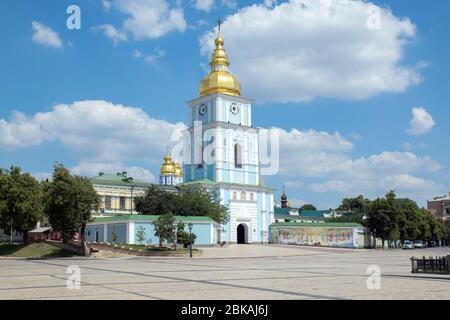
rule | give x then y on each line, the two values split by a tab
234	272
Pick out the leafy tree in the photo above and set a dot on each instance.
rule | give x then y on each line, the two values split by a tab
184	237
309	207
382	219
198	201
20	202
189	201
70	202
166	229
356	205
156	202
141	236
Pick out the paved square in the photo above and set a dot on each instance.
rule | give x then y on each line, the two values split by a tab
234	272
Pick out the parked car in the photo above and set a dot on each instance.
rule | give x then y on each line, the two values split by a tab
431	244
408	245
419	244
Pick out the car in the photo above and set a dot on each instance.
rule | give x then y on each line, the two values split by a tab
418	244
408	245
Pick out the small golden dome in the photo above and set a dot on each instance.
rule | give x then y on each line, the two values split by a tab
178	169
220	80
168	166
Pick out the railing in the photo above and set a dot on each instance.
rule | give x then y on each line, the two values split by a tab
430	265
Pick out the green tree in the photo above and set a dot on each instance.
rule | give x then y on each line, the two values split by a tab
20	202
188	201
382	218
70	202
141	236
183	237
166	229
356	205
198	201
309	207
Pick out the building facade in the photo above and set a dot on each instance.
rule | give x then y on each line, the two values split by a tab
440	207
128	228
221	153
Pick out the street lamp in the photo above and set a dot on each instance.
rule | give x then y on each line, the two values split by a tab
190	239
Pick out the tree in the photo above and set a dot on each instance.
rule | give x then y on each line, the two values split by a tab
189	201
20	202
70	202
356	205
166	229
198	201
382	219
184	237
141	236
309	207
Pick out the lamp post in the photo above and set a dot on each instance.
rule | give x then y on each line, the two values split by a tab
190	239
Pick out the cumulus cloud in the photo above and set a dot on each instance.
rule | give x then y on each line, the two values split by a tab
91	169
151	19
421	122
144	19
111	32
204	5
153	58
303	49
95	130
45	36
325	159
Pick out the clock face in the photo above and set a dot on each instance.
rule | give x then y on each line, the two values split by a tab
234	108
203	109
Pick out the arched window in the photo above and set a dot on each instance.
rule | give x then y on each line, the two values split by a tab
243	195
234	196
238	155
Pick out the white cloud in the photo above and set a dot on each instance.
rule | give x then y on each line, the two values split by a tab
150	19
301	50
96	130
45	36
324	158
204	5
153	58
230	4
91	169
107	4
421	122
111	32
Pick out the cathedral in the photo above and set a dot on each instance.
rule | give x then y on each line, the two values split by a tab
220	152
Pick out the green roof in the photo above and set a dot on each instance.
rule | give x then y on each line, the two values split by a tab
326	225
135	217
116	180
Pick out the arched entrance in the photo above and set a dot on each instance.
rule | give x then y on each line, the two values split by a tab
241	236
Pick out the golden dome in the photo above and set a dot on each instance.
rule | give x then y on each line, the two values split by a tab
220	80
168	166
178	169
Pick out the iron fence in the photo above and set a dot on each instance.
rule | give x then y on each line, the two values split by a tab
430	265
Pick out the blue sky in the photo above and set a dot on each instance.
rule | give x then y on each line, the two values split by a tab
108	96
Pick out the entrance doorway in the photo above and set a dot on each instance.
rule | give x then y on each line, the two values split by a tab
241	236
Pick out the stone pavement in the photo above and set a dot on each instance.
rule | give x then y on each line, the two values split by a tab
234	272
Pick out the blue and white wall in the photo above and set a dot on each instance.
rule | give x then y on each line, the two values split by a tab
126	231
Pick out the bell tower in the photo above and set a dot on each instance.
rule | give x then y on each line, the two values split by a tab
221	151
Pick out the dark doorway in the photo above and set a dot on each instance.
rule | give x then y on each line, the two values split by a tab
96	236
241	234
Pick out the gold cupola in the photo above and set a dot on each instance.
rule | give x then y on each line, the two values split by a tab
178	169
168	166
220	79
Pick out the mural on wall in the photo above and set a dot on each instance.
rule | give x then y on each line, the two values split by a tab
313	236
